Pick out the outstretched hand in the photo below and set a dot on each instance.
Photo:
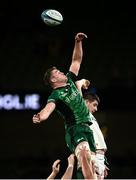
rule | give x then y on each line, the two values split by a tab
36	118
80	36
86	84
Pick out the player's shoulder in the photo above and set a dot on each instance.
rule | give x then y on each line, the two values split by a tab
92	116
54	94
71	75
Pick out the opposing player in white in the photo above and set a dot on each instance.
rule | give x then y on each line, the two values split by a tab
92	101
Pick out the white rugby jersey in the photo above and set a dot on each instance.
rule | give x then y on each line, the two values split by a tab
98	136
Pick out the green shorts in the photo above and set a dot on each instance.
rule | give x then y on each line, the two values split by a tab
78	133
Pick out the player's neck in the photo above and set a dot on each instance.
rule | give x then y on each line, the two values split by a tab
60	84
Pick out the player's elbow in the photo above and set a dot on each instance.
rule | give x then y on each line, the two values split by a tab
75	68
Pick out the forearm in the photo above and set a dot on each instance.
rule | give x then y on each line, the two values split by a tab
43	116
77	52
68	173
79	86
46	111
52	176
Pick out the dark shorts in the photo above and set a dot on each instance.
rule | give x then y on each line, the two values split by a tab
78	133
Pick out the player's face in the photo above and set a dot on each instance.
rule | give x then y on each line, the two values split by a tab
58	76
92	106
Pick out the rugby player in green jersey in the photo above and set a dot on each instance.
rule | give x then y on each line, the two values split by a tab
68	101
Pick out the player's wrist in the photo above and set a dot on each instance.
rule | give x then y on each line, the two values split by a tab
77	40
55	173
39	118
70	165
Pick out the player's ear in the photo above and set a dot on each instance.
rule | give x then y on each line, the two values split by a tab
53	80
87	101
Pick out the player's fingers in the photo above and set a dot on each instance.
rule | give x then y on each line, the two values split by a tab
35	121
87	82
56	162
82	35
85	36
58	166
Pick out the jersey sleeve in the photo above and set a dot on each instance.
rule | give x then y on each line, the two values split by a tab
52	98
72	76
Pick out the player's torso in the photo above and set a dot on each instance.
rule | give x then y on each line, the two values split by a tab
72	105
98	136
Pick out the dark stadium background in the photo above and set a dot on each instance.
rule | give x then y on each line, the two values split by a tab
28	47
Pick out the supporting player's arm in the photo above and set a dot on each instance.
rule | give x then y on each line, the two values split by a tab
69	171
77	53
87	167
44	113
55	169
83	83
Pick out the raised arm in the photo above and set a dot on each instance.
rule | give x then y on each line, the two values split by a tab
77	53
44	113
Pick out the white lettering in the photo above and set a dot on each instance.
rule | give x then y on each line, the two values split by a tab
29	101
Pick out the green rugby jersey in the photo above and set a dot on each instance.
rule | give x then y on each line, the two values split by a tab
69	103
